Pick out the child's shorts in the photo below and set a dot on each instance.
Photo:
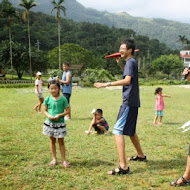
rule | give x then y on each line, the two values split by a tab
56	130
99	131
40	95
159	113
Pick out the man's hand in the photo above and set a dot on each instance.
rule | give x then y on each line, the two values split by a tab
100	85
118	59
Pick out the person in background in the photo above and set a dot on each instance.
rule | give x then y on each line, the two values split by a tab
98	123
66	83
159	107
39	90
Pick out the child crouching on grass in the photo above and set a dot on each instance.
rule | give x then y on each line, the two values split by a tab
98	123
159	107
56	107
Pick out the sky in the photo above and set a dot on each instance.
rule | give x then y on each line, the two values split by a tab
178	10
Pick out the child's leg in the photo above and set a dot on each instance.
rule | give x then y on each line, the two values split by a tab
41	100
62	148
102	128
53	148
36	107
155	120
160	120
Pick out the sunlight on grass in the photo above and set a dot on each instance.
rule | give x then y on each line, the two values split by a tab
25	153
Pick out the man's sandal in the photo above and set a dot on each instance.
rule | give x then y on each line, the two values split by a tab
119	171
137	158
184	182
53	163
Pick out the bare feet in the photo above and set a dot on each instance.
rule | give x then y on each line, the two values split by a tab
36	109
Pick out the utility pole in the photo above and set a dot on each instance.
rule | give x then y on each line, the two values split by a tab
37	44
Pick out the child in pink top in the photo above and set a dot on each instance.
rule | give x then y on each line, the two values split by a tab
159	107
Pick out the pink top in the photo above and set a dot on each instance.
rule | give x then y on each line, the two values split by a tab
161	103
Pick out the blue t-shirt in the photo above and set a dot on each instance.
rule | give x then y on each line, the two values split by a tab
67	88
131	91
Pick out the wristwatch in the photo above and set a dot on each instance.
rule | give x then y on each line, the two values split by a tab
108	83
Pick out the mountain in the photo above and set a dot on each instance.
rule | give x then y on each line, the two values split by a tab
165	31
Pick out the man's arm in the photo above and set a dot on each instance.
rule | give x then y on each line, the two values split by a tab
123	82
118	60
68	79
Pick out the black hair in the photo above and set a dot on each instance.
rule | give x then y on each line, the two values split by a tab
99	111
158	90
66	63
130	44
56	82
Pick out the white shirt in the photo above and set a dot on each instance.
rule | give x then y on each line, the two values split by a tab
38	84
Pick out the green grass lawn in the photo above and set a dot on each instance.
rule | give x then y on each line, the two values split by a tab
25	152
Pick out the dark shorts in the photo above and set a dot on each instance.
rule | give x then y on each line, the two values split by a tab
126	121
66	95
99	130
189	150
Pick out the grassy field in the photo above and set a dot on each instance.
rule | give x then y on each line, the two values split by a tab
25	153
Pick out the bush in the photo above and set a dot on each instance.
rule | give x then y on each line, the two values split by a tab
153	82
90	76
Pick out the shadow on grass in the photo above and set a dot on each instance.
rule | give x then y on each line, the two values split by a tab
79	119
170	123
90	163
161	165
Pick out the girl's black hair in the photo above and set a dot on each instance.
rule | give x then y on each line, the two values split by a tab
158	90
56	82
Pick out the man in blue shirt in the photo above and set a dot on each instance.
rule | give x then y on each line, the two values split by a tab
67	85
127	117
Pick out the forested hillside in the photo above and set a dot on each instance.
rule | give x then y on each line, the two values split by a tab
99	39
164	30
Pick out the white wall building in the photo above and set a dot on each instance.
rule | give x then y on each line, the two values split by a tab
185	56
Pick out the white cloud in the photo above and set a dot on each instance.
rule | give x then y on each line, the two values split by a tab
168	9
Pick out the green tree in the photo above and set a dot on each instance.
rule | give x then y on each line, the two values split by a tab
26	16
59	7
72	53
168	64
9	12
19	55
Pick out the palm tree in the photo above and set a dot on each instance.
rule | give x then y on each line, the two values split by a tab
9	12
183	40
28	5
58	6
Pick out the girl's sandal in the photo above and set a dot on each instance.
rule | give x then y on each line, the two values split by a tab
53	163
119	171
66	164
183	183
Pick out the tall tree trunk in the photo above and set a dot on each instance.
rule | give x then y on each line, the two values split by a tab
59	41
11	52
29	47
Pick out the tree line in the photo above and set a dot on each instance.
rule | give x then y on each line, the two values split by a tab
39	37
